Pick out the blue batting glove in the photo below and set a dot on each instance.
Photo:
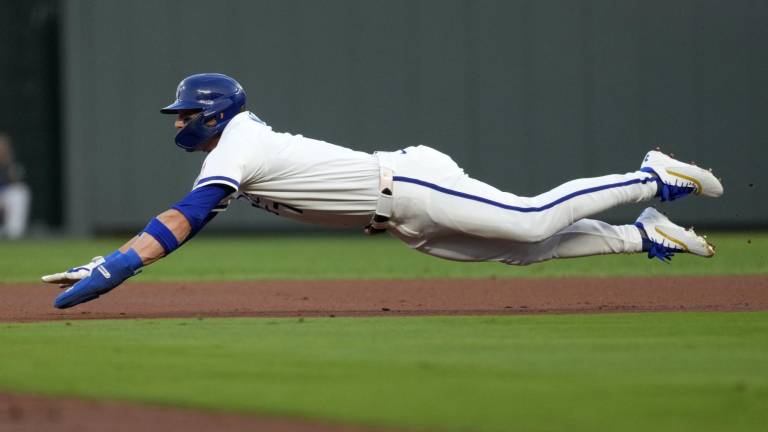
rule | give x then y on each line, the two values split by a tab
115	270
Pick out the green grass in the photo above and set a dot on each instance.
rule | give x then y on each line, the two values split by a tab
627	372
664	372
275	257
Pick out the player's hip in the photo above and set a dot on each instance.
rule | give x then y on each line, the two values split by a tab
403	202
424	193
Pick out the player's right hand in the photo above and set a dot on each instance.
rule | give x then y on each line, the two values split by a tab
72	276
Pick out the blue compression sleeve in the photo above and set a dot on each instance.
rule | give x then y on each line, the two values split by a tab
207	219
162	234
198	204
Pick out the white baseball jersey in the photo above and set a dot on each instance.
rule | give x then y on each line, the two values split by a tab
293	176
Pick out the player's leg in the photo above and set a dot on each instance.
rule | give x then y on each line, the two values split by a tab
457	204
583	238
534	219
652	233
586	237
465	206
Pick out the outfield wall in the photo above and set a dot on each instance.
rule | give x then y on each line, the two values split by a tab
523	94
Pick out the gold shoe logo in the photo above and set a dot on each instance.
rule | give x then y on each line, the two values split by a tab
672	239
697	190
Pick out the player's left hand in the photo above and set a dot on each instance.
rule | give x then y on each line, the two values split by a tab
113	271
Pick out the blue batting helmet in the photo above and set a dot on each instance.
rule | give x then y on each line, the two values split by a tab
217	97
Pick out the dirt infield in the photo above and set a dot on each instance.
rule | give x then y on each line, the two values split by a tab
32	302
27	413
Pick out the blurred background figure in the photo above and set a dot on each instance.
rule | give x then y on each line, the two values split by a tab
14	193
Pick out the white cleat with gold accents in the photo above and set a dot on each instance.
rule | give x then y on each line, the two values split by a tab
665	238
677	179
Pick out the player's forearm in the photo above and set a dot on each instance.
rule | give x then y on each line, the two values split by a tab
124	248
148	247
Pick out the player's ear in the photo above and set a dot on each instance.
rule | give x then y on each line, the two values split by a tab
213	121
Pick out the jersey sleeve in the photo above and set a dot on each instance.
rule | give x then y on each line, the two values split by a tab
200	205
221	167
232	162
229	182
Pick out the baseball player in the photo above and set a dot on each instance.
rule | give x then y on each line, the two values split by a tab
417	194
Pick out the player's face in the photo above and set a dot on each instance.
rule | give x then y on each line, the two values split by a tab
183	118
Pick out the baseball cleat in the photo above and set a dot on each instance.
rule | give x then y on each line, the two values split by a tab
677	179
665	238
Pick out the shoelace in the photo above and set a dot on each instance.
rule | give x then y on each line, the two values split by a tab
669	192
672	192
663	253
656	249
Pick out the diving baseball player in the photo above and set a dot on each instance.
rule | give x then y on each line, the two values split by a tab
417	194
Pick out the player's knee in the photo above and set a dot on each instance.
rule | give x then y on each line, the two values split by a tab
533	233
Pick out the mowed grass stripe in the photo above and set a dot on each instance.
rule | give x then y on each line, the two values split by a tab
630	372
361	257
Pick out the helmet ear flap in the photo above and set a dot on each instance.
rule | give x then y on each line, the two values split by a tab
194	134
204	125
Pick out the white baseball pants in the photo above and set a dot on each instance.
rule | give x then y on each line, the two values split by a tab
441	211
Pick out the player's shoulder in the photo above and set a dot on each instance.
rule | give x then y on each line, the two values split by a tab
246	119
243	130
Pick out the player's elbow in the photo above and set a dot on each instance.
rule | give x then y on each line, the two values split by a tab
176	222
193	216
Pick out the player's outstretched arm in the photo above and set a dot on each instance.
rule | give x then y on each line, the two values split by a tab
164	234
170	227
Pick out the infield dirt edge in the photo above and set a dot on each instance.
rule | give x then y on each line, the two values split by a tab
33	302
